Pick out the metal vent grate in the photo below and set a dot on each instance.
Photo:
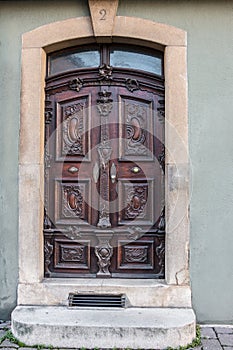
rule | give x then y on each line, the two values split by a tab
96	300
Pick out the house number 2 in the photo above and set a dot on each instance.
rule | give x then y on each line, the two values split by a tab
102	14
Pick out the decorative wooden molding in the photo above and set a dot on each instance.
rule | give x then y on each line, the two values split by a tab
104	107
103	13
103	252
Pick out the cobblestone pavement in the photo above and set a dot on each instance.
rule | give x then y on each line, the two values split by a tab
213	338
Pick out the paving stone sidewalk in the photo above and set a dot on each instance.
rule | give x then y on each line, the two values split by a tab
213	338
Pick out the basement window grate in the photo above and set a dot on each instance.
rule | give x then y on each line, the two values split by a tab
96	300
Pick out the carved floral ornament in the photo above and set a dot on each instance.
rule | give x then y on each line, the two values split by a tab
105	72
135	254
132	84
74	254
76	84
105	75
104	103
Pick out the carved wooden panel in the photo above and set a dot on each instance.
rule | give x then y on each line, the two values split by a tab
136	129
71	202
102	217
136	201
72	129
136	255
71	254
141	256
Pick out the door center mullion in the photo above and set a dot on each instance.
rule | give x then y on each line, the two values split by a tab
104	250
104	107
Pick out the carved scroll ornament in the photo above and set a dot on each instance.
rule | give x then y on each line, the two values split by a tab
72	201
74	254
48	251
104	253
160	252
73	129
135	254
135	129
136	201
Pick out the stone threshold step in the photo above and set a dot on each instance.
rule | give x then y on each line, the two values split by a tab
145	328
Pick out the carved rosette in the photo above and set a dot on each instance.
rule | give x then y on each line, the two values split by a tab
132	84
105	72
76	84
104	252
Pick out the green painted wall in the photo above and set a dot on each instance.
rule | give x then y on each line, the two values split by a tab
210	71
209	25
17	17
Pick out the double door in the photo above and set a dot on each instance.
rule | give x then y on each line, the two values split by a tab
104	178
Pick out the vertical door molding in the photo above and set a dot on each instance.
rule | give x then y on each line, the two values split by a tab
78	31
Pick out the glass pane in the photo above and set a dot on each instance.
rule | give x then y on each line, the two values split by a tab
141	59
80	58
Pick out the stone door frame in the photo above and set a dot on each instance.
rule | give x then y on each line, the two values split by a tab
33	289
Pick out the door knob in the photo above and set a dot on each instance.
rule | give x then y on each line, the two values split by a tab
135	170
73	170
113	173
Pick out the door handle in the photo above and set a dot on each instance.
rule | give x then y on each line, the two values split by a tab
113	173
96	172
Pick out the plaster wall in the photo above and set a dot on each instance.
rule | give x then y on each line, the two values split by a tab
210	71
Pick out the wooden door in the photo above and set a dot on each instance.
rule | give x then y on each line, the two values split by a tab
104	174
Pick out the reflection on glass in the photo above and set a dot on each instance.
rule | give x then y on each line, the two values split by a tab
65	61
141	59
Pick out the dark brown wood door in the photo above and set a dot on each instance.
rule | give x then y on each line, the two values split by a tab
104	175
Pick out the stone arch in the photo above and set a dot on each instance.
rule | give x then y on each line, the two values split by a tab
36	44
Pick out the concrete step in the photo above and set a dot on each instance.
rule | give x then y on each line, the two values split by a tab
145	328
